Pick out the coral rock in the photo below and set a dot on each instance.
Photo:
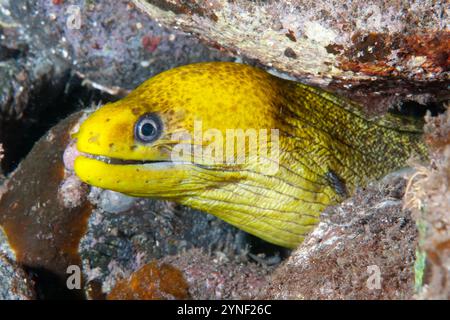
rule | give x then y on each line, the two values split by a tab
151	282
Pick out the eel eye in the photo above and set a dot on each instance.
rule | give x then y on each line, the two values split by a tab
148	128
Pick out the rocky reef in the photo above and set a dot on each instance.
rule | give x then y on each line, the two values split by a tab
59	59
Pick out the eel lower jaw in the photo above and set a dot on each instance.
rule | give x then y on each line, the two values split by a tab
161	179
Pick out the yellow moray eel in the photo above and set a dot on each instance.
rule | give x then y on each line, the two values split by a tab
327	147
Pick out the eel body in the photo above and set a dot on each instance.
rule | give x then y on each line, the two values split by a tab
265	154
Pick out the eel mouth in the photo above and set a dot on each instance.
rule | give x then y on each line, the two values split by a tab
157	164
117	161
